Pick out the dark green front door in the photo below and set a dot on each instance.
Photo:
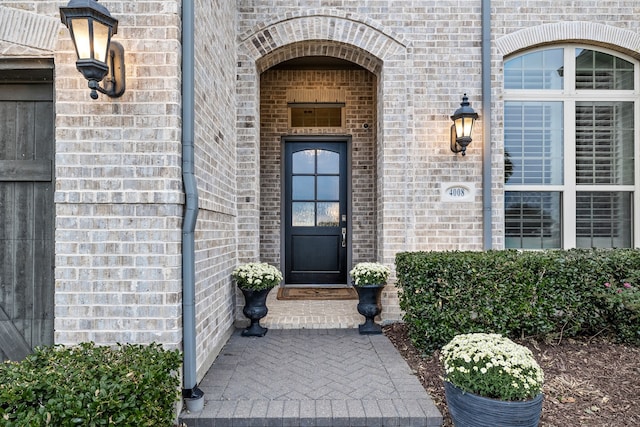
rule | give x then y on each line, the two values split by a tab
315	194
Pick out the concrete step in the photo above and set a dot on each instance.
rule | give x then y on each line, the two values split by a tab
329	413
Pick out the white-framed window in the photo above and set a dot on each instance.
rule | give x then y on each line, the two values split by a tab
570	137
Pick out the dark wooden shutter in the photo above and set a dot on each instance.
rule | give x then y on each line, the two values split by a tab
26	214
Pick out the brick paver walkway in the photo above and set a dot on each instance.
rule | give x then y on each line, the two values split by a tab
312	377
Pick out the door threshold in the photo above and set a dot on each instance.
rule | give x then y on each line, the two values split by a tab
306	292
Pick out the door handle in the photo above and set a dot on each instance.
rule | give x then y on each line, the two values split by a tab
344	237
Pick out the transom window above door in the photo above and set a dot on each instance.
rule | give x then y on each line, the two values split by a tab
316	115
570	138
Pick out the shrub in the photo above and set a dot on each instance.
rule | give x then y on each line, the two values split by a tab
513	293
621	303
88	385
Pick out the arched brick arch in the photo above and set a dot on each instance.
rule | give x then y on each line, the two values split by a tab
590	32
320	48
322	24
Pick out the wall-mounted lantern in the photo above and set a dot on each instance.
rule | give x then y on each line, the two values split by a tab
91	27
463	120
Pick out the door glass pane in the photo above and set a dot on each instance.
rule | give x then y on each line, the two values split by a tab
538	70
328	214
604	143
533	143
603	219
304	161
302	188
302	214
328	188
532	220
328	162
598	70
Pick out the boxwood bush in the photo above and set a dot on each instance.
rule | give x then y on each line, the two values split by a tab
88	385
517	294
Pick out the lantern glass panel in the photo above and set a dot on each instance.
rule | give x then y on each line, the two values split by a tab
464	126
100	41
80	35
468	125
459	126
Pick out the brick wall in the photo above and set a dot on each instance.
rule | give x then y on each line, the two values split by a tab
418	87
119	194
425	55
119	187
215	169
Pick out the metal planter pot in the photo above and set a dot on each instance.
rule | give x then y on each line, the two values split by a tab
471	410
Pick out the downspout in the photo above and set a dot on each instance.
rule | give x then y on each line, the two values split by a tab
487	237
192	394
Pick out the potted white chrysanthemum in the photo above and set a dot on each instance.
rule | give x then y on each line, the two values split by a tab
368	279
490	381
369	273
256	280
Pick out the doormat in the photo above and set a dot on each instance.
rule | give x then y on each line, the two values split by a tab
307	293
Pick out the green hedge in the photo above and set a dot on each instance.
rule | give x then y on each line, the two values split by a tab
517	294
89	385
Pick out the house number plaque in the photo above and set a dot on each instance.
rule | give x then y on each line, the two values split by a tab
457	192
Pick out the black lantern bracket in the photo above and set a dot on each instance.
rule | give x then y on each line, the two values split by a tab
463	121
113	85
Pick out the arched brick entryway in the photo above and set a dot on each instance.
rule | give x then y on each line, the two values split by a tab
327	33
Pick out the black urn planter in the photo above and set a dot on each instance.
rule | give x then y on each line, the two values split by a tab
255	308
368	306
470	410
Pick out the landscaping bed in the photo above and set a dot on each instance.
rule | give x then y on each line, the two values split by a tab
589	382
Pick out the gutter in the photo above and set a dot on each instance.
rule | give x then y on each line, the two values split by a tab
487	237
194	397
